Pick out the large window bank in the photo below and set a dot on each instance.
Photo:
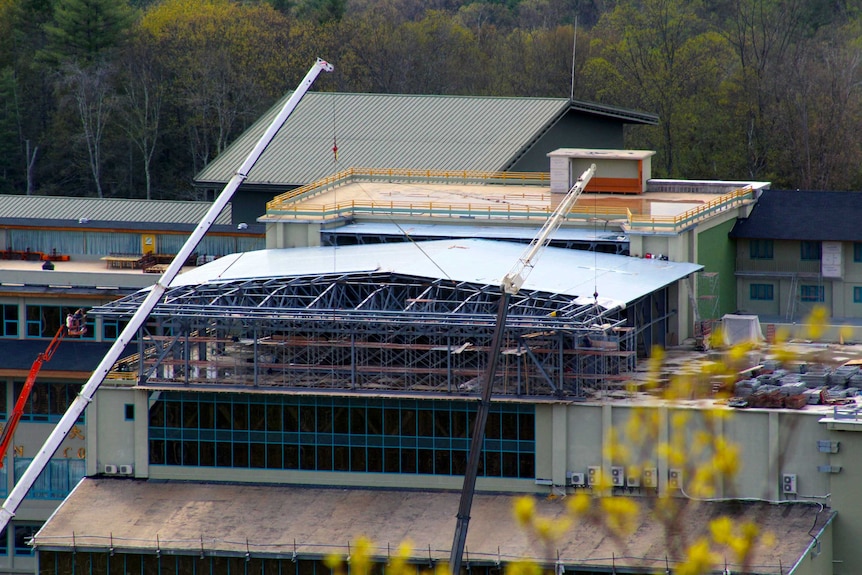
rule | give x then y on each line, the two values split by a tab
338	434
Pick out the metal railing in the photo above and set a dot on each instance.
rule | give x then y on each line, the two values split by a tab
679	222
289	203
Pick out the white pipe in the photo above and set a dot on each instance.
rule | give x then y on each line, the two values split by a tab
10	506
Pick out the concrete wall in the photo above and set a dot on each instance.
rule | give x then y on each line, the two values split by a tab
292	235
845	488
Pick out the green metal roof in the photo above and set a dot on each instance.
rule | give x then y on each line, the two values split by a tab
39	209
398	131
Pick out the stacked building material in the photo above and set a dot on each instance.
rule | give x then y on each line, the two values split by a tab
816	376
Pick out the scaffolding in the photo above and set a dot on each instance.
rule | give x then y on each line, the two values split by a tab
373	332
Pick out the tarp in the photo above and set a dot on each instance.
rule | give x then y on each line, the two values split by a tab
741	329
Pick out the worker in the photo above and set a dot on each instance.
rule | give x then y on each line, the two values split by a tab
75	322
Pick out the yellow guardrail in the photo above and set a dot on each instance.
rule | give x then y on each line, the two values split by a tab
287	205
676	223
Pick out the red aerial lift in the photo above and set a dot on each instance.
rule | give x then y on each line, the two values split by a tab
40	460
74	326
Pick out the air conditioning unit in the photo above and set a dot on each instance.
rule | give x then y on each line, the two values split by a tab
674	479
651	477
110	469
788	483
618	476
633	480
594	475
577	479
126	470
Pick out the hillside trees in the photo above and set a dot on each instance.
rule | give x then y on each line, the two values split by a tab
745	89
661	56
224	62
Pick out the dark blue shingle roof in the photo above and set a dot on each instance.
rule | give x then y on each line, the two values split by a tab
803	215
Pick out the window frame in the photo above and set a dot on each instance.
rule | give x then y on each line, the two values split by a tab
761	292
812	293
807	249
761	249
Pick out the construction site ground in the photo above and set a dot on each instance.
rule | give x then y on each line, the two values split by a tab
794	357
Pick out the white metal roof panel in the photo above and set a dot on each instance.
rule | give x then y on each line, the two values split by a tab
617	279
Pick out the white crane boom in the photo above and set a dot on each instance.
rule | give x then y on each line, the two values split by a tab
509	286
513	280
10	506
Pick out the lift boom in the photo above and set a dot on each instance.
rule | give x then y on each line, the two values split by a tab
7	511
510	285
45	356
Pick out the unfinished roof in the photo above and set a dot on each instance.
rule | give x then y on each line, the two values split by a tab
131	516
30	209
803	215
619	280
398	131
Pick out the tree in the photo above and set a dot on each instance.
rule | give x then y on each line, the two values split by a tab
817	116
321	11
762	34
88	92
85	30
10	153
225	63
664	55
141	102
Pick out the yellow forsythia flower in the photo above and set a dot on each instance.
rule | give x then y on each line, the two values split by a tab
524	509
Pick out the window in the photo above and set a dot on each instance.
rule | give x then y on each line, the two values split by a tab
9	325
24	532
760	249
338	434
45	320
761	292
809	250
857	294
857	251
48	401
112	327
57	479
130	411
812	293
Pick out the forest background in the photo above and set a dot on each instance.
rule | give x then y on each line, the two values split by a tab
112	98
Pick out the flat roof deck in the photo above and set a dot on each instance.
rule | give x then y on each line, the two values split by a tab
496	200
200	518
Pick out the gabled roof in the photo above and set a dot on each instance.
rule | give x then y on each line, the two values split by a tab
803	215
398	131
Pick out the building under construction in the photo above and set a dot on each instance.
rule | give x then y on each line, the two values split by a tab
421	324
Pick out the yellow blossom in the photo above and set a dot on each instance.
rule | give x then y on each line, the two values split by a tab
722	530
699	559
580	503
620	514
525	509
522	568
